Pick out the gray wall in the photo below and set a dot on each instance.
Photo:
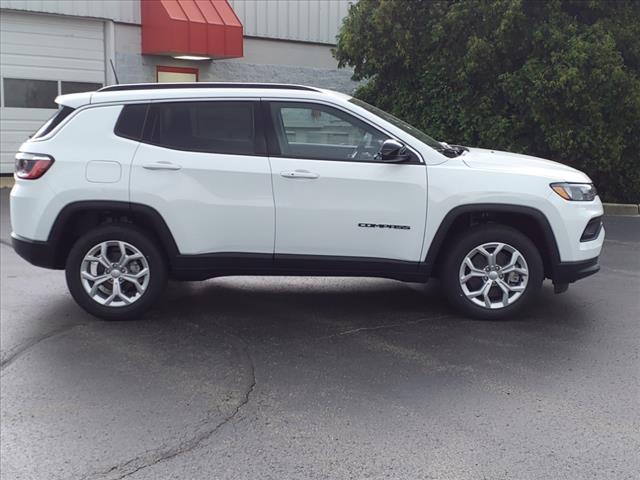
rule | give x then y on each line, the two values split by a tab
264	61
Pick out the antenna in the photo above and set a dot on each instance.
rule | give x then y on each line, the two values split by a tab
114	71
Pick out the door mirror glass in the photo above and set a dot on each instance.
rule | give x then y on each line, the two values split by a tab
393	151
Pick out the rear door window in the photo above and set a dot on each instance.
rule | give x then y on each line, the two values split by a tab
207	126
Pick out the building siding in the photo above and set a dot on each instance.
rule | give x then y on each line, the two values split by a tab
306	21
316	21
124	11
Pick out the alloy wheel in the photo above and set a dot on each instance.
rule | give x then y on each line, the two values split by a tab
494	275
115	273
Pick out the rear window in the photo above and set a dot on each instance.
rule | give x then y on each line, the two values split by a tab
131	121
212	127
53	122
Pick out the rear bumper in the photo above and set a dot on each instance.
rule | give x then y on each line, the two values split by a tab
569	272
40	254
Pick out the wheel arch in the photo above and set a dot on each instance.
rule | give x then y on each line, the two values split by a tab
528	220
77	218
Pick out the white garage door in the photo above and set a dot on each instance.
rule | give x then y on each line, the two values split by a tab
42	56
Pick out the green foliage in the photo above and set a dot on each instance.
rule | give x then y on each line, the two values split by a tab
555	79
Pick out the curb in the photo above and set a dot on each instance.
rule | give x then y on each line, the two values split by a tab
621	209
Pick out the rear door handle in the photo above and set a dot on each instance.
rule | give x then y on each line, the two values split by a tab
299	174
161	166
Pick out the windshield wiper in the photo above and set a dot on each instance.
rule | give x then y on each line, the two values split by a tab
452	150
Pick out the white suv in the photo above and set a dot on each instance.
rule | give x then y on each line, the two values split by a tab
134	184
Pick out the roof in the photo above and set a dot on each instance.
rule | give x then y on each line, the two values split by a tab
171	91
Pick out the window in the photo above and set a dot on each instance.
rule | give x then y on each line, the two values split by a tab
214	127
25	93
131	121
317	131
401	124
176	74
54	121
78	87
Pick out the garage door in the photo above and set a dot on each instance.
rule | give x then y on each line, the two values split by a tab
40	57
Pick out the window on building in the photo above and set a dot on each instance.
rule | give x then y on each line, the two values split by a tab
176	74
78	87
27	93
214	127
317	131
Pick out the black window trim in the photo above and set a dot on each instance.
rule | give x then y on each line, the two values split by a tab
260	141
274	146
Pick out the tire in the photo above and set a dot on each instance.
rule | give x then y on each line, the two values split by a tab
519	288
87	271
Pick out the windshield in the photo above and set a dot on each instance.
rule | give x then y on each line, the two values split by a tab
401	124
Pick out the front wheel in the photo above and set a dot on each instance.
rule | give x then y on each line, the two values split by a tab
491	272
115	272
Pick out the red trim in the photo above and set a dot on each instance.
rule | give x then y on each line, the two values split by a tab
162	68
191	27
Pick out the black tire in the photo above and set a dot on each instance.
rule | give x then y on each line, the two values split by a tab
135	237
465	243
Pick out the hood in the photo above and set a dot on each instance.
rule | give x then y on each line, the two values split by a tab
495	160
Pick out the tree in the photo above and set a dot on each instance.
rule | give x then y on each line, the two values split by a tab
555	79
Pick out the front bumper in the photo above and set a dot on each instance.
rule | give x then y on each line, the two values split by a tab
569	272
40	254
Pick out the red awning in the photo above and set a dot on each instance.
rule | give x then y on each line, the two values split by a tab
207	28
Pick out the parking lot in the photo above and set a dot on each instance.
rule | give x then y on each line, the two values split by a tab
308	378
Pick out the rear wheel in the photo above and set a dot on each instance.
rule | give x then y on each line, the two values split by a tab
115	272
491	272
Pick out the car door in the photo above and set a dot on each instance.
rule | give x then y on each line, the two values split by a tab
333	197
203	166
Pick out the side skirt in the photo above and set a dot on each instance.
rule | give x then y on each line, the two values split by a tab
201	267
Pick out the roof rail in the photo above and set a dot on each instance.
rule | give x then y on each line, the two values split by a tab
162	86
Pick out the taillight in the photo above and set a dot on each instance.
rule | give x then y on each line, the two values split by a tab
30	166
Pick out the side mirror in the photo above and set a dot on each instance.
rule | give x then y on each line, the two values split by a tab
393	151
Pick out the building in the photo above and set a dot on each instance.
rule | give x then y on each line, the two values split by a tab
51	47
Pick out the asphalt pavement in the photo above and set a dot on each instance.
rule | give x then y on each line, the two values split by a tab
322	378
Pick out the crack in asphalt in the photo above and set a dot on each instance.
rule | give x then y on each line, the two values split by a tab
354	331
10	356
384	326
148	459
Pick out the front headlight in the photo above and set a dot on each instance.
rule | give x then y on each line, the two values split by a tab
579	192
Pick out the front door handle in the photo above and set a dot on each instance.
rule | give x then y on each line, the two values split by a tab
299	174
161	166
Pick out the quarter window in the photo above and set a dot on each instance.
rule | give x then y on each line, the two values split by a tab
131	121
317	131
214	127
53	122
